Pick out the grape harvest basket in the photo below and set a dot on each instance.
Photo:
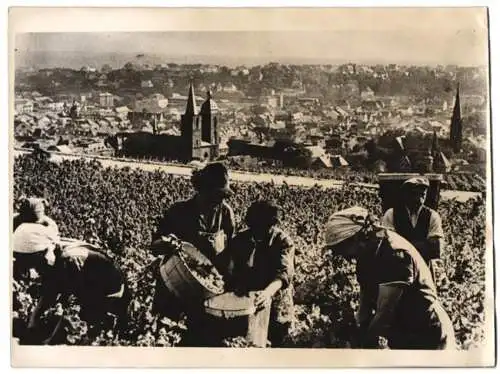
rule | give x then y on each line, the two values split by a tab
190	275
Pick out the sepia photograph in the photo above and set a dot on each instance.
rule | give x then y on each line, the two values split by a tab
278	186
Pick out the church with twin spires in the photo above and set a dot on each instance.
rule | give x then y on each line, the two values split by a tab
199	128
199	139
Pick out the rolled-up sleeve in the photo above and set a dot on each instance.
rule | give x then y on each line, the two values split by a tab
435	227
286	268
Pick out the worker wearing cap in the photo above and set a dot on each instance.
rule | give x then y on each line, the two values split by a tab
261	259
398	298
414	221
70	268
206	221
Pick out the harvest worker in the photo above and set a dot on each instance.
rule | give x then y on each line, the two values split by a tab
206	221
32	210
398	298
418	224
261	259
71	268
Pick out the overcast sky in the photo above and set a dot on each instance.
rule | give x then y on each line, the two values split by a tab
431	37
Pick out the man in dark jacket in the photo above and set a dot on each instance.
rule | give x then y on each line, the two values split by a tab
207	222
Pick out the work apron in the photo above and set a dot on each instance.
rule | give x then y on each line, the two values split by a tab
216	238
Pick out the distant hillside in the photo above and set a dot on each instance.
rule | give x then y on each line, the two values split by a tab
77	59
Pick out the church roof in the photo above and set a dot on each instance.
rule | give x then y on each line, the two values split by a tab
209	106
191	108
316	151
325	161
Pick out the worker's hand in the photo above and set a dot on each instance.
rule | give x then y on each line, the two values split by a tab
165	245
262	298
33	274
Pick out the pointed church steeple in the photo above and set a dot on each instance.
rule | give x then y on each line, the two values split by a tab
191	101
456	124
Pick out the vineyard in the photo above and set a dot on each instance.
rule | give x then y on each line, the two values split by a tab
118	208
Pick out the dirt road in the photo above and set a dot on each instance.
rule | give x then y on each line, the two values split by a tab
239	176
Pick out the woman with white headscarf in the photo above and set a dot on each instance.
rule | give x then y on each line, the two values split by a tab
398	298
69	267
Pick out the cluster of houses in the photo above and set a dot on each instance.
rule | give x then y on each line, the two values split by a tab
308	121
335	132
330	129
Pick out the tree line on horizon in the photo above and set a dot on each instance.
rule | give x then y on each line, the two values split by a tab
324	81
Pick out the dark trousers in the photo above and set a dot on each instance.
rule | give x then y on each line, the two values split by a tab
278	330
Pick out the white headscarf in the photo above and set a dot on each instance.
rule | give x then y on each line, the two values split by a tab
34	237
344	224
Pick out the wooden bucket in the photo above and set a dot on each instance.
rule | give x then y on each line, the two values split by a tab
179	279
